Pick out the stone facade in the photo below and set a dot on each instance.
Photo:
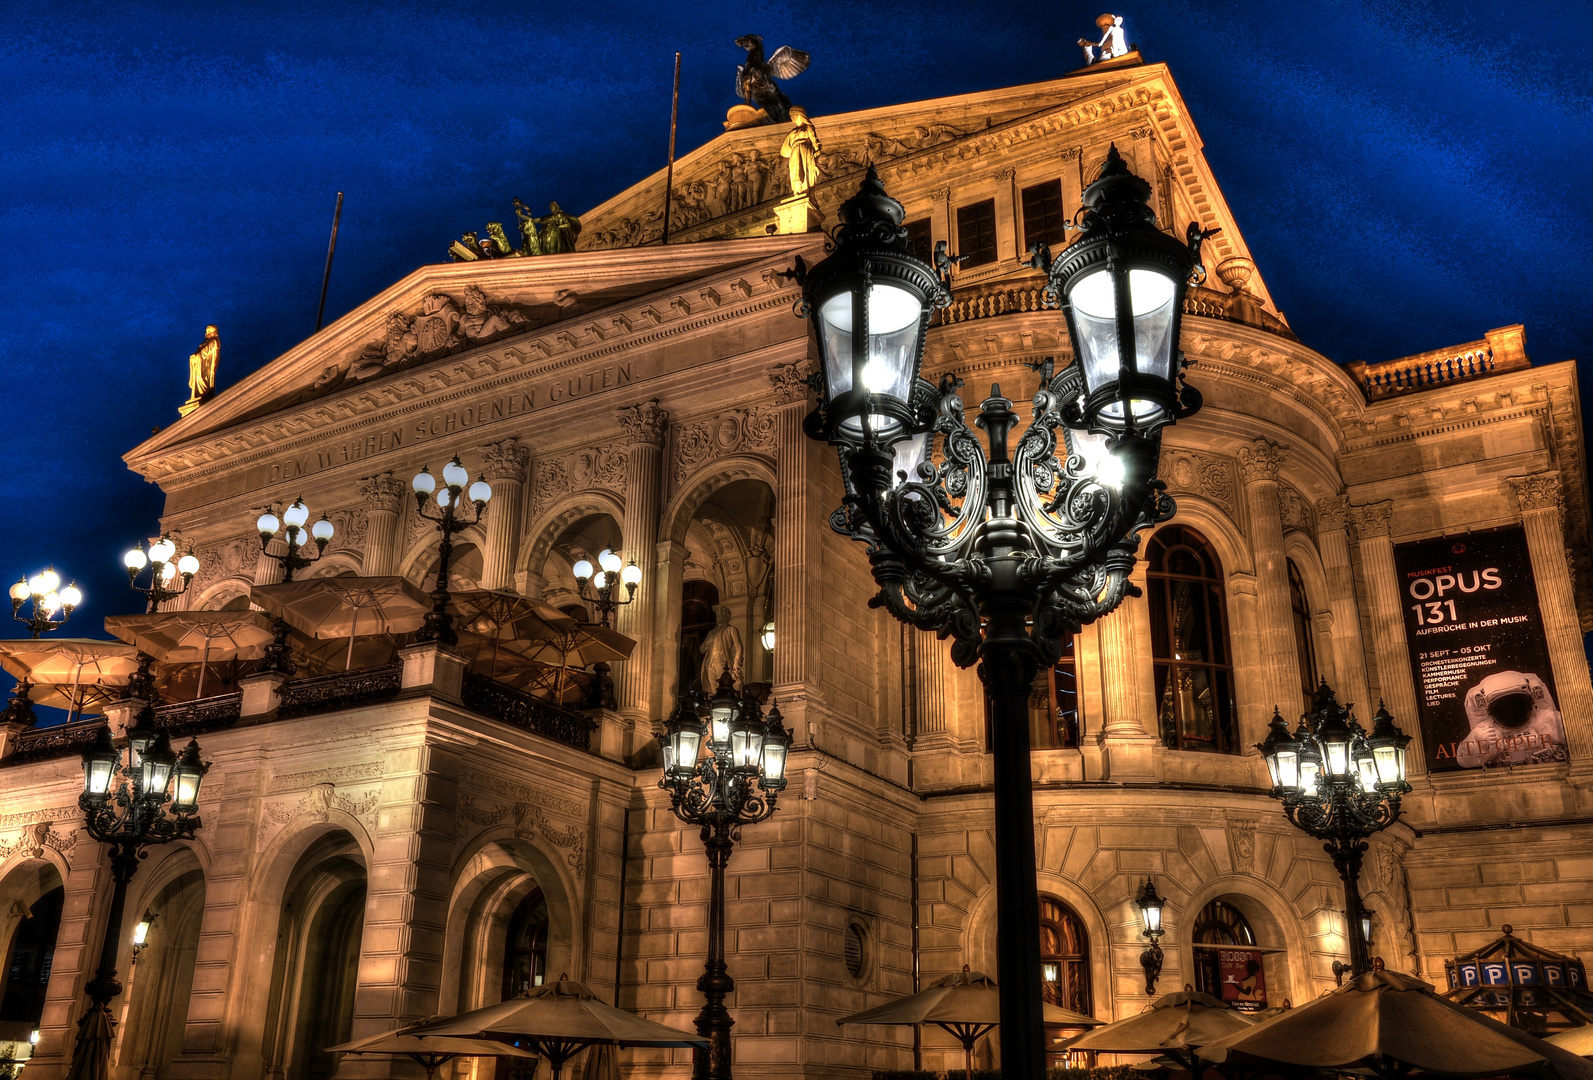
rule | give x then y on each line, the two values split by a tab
650	399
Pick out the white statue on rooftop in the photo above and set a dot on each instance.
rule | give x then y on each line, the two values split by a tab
1113	43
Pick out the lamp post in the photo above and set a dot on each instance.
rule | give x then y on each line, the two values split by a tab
128	817
1150	913
1010	549
164	570
611	573
439	624
724	767
50	605
1340	785
298	540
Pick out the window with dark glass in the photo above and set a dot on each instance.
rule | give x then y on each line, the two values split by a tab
1064	965
525	953
1054	703
976	233
919	240
1303	637
1043	217
1189	641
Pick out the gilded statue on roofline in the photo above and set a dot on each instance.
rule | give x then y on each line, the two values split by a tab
202	371
553	234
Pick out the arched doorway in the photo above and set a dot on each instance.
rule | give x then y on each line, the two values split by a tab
525	950
30	953
697	602
1229	963
159	981
316	967
1065	969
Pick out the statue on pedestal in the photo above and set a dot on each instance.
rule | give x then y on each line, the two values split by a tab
755	79
801	150
202	371
721	651
1113	43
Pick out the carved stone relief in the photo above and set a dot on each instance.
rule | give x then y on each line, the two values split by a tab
38	836
337	774
228	558
790	382
530	822
597	467
318	804
736	431
1298	515
1242	843
442	325
1210	475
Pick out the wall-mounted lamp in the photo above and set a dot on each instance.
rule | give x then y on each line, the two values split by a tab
1150	911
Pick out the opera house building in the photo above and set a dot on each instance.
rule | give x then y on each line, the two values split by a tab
399	828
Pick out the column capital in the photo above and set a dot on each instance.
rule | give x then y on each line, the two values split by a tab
1541	491
644	423
790	382
384	491
504	460
1261	461
1333	513
1373	519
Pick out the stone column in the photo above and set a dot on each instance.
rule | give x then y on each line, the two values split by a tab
1128	741
668	574
1280	657
269	571
795	533
1541	502
384	505
934	691
1349	650
1389	645
644	427
503	468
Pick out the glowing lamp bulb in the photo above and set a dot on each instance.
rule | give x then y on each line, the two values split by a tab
454	474
71	596
609	561
582	570
268	524
19	592
424	483
297	514
632	574
480	491
322	530
162	550
188	565
135	560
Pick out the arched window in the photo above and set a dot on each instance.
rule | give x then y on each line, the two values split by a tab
1064	965
1228	962
26	975
1189	640
1054	703
1300	608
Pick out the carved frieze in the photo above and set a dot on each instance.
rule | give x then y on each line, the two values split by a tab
733	432
1210	475
228	558
596	467
37	836
337	774
54	813
317	804
531	822
443	324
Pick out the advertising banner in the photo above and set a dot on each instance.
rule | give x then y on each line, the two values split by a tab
1244	984
1478	654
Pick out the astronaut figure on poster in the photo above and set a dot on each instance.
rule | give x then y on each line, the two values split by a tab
1514	721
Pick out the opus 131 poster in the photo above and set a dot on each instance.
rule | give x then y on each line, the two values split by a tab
1477	651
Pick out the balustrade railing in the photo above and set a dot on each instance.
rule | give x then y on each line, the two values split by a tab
492	699
341	690
991	301
185	719
61	740
1499	351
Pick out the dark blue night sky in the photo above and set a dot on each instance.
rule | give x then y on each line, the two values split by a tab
1408	176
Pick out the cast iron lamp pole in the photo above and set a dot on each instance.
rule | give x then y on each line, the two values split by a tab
278	656
1010	550
1340	785
164	569
735	783
43	591
611	573
439	624
127	818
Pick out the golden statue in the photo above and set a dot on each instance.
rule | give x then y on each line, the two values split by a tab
801	151
202	371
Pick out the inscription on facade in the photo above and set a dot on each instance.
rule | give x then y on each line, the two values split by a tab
441	423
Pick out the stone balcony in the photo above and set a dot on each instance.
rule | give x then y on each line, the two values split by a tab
1499	351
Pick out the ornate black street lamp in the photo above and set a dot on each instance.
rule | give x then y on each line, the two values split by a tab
1340	785
298	540
734	783
164	570
1150	913
610	574
51	605
439	624
1007	550
129	817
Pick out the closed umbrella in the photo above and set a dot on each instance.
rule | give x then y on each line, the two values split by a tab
1172	1026
1395	1026
430	1054
345	608
559	1019
69	662
91	1056
186	637
966	1004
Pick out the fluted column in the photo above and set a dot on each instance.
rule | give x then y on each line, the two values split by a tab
1389	644
1120	649
1349	649
503	468
796	522
1541	502
644	426
934	691
384	504
269	571
1279	653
